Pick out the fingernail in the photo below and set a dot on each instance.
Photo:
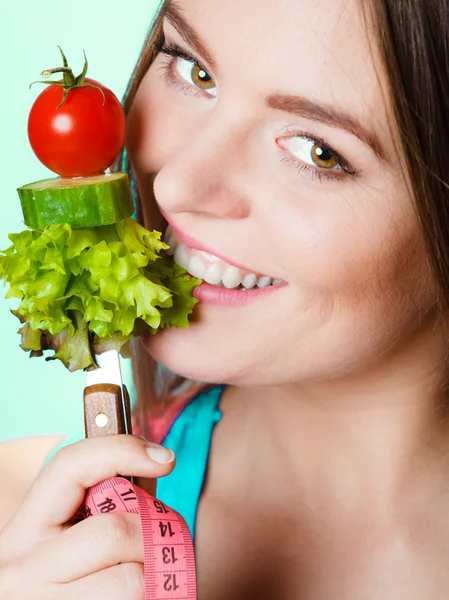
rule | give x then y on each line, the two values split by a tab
160	454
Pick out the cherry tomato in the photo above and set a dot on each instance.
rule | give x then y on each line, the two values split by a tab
80	137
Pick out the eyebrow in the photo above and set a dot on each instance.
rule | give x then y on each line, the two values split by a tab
297	105
173	14
329	115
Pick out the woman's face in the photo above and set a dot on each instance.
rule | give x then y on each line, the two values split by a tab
261	133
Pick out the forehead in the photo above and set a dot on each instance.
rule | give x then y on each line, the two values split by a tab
322	49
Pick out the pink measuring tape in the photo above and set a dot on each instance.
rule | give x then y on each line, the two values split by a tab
168	548
169	560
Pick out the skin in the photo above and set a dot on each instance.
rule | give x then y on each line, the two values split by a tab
330	463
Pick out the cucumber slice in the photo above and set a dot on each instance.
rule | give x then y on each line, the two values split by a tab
83	202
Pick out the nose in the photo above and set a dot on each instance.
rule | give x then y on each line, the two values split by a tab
204	176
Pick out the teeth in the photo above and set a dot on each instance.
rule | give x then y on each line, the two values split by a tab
196	267
212	269
181	256
249	281
213	274
232	277
264	281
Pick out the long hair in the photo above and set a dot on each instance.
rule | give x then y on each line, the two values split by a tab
155	386
413	39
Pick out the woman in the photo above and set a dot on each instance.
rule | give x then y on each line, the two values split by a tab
304	146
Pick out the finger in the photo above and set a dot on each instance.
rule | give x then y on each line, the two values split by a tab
90	546
122	582
60	488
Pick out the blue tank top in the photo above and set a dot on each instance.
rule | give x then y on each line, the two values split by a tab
190	438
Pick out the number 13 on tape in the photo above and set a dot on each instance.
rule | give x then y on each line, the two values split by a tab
169	560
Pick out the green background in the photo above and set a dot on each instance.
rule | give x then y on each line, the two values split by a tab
36	397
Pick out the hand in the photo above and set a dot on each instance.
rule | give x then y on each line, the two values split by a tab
44	557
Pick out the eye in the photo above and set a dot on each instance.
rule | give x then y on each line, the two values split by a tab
312	152
195	75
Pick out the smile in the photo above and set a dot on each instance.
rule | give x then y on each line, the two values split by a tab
212	269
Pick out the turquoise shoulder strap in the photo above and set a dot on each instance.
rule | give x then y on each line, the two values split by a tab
190	438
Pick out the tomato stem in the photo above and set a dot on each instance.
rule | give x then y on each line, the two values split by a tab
69	82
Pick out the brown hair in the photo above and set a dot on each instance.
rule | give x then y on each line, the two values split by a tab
413	39
155	385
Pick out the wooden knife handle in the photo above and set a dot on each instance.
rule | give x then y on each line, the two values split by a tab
103	409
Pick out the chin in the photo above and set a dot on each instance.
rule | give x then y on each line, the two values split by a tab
189	353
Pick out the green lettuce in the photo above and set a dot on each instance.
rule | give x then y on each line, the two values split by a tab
85	291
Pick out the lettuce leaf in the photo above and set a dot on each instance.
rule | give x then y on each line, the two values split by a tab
86	291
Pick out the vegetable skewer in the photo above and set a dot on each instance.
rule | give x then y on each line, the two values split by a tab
88	277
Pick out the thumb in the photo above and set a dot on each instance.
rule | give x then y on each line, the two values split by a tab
60	488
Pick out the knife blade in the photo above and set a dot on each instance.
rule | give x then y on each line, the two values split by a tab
108	371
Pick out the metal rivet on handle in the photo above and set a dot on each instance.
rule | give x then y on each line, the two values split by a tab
101	420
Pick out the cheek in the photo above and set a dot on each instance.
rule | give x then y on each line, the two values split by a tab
145	130
148	142
361	257
157	124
